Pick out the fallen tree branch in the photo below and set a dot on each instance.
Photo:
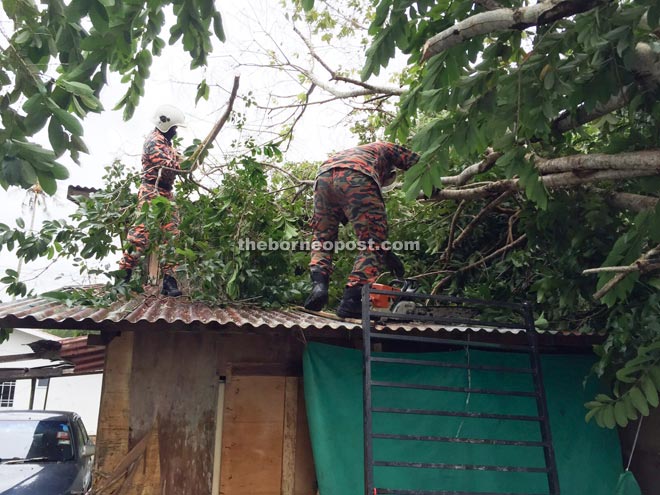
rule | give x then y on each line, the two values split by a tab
470	227
197	155
570	179
644	264
486	164
482	261
479	192
452	230
628	201
567	121
565	172
645	66
627	161
291	177
503	19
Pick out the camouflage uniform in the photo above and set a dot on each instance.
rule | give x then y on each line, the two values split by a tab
156	181
348	188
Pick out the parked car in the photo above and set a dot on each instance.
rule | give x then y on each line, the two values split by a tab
44	453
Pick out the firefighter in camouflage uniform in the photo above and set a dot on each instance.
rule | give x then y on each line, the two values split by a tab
348	188
160	166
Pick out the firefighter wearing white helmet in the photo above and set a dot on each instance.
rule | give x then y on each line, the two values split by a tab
160	166
168	116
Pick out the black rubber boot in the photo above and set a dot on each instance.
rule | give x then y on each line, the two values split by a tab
319	295
170	287
351	303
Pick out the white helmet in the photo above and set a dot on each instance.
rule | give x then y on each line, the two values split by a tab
167	116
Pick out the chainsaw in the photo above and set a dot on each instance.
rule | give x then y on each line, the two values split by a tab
396	302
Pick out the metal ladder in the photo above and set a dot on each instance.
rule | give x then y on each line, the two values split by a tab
523	322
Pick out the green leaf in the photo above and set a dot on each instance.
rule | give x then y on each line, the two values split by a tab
75	87
11	171
427	185
608	416
651	393
382	11
639	401
28	173
218	28
47	183
631	412
413	190
69	121
626	373
202	91
591	413
31	151
58	139
654	372
307	5
60	172
620	414
20	222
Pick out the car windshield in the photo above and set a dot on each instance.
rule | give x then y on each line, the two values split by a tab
34	440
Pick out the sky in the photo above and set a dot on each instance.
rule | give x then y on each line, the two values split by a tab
252	27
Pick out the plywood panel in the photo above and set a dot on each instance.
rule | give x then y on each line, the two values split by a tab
253	436
174	378
112	434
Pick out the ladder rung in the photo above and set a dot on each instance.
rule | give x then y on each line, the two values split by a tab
462	414
475	441
461	343
395	491
461	467
444	364
443	388
447	320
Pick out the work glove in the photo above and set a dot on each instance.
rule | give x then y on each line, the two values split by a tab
394	264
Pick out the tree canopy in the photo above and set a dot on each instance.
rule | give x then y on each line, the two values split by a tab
538	125
56	63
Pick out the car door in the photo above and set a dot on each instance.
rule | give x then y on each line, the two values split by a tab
85	461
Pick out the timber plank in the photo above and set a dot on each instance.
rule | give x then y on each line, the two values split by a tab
253	436
112	434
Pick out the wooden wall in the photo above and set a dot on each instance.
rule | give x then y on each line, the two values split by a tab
266	449
163	387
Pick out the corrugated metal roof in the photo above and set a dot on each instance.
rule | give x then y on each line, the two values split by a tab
86	358
150	309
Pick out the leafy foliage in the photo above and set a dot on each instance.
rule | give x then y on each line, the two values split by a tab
86	40
508	90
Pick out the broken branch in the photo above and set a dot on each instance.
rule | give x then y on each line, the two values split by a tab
503	19
644	264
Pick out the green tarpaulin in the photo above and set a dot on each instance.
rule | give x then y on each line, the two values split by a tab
588	457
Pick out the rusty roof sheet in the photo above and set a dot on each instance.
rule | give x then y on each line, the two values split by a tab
150	311
85	358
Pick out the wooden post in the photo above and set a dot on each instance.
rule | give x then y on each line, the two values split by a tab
112	433
153	268
289	440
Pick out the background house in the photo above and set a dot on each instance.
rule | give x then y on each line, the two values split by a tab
42	384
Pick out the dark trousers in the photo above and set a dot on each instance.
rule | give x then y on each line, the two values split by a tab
138	235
